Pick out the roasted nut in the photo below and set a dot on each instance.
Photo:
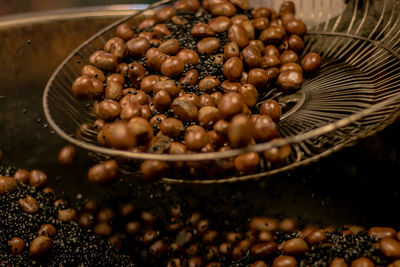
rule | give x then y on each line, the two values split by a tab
258	77
239	131
196	138
247	162
93	72
153	169
40	245
103	173
118	135
208	115
170	47
237	34
21	176
231	49
232	68
154	58
172	127
272	109
290	80
66	215
184	109
220	24
190	78
208	45
252	56
264	128
164	14
249	94
311	62
161	30
296	26
29	204
124	31
223	9
148	82
37	179
172	66
7	185
188	56
288	56
202	30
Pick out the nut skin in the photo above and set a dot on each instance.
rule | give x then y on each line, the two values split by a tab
66	215
184	109
288	56
258	77
264	128
47	230
249	94
154	58
164	14
202	30
208	83
148	82
223	9
296	26
284	261
91	71
252	56
107	110
171	127
196	138
118	135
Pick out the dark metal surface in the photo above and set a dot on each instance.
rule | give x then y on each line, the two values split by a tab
357	185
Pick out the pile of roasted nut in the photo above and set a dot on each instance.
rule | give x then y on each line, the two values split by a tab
193	78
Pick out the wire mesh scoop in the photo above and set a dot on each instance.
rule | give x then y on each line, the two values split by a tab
355	94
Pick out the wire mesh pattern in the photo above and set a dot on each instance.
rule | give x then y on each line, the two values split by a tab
356	93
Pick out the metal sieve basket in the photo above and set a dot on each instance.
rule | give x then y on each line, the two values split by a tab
355	94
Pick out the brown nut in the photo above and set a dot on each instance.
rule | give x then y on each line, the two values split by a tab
141	129
37	179
208	83
117	78
249	28
82	87
220	24
252	56
47	230
29	204
184	109
136	73
103	61
272	109
66	156
206	100
290	80
272	35
118	135
153	169
208	45
290	66
154	58
7	185
270	62
239	131
230	105
247	162
261	23
231	49
264	249
296	26
21	176
202	30
258	77
208	115
162	100
169	86
40	245
277	155
103	173
138	47
288	56
148	82
263	224
311	62
107	109
187	5
223	9
164	14
93	72
243	4
113	90
196	138
233	68
295	43
295	246
188	56
284	261
190	77
161	30
170	47
249	94
66	215
172	127
238	34
262	12
17	245
264	128
147	23
172	66
271	50
124	31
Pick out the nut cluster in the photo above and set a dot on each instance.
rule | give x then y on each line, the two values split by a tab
182	84
184	237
